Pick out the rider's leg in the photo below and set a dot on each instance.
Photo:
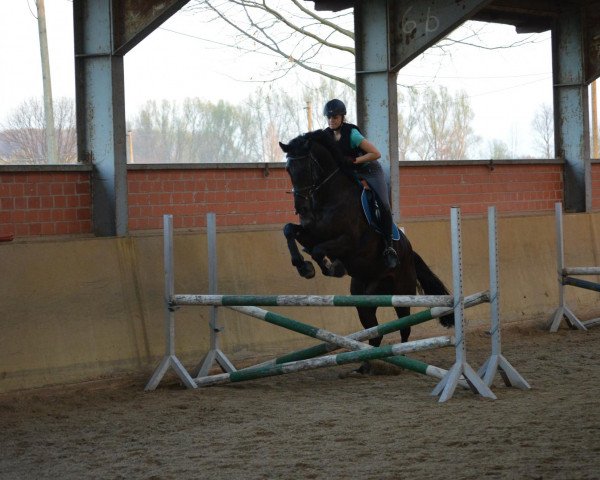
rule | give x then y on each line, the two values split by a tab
386	222
376	181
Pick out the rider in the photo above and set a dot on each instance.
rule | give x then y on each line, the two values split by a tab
364	154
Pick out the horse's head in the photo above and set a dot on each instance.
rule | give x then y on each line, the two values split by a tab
300	161
313	159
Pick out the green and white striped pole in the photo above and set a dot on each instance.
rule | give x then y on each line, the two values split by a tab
326	361
181	300
380	330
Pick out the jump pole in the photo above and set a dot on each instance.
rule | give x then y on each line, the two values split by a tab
326	361
334	341
565	278
384	329
313	300
497	362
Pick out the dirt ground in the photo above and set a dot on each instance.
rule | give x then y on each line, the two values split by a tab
316	425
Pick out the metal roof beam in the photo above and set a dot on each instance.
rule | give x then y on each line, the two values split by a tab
134	20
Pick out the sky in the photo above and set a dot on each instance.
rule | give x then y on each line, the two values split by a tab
184	58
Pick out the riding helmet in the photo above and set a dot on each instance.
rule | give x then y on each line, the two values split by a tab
334	107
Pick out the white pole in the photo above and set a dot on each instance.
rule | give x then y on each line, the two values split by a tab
51	145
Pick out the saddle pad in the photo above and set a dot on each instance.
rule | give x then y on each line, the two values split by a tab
370	216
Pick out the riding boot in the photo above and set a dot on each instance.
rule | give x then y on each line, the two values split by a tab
389	253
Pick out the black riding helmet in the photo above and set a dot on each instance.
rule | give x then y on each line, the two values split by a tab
334	107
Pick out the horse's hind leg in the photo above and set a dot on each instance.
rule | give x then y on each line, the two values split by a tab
367	315
368	319
404	332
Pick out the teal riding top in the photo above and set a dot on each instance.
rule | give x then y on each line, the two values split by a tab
355	138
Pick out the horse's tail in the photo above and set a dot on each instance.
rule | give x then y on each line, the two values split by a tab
432	285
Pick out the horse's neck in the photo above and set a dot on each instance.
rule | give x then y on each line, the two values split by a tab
344	185
342	176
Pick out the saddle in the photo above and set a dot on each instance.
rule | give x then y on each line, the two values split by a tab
373	213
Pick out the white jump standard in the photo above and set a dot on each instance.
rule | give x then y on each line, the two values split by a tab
566	277
497	363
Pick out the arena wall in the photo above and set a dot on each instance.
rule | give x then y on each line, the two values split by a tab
77	309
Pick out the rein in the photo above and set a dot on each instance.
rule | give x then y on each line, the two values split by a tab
311	189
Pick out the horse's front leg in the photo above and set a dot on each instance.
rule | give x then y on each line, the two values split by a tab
305	268
327	254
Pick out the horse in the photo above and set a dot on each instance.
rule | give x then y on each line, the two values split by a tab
338	237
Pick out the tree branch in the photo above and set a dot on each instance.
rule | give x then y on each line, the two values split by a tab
324	21
275	48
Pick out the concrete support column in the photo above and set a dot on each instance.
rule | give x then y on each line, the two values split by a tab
376	92
101	130
571	114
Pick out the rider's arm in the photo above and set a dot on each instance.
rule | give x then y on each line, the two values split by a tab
371	152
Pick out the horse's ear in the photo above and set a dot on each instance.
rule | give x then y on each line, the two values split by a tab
284	147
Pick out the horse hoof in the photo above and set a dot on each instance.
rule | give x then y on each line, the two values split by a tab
351	374
364	369
337	269
307	270
447	320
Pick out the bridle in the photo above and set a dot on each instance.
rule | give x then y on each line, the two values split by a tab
307	193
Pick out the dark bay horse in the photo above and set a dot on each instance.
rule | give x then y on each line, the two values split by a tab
335	233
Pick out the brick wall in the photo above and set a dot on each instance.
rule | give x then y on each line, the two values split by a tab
38	201
241	196
429	190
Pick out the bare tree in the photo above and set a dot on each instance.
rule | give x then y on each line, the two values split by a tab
290	30
434	125
155	132
444	121
463	137
196	131
326	90
498	150
543	130
408	106
24	133
301	37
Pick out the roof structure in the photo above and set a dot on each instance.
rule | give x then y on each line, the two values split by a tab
525	15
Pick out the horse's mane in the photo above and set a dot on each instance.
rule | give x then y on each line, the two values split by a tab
326	140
